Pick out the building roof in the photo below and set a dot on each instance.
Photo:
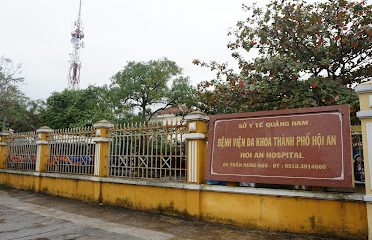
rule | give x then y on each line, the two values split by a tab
173	111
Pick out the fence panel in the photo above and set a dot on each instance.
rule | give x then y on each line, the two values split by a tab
22	151
357	143
359	174
148	151
71	151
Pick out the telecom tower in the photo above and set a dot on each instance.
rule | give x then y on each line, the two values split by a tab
77	36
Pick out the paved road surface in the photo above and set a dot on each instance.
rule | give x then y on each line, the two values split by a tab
25	215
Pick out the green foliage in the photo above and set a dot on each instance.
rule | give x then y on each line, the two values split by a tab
148	86
76	108
308	55
145	86
16	110
181	93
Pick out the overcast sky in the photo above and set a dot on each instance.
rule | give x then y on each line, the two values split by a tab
36	33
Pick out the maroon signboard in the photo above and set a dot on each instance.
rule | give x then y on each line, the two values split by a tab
308	146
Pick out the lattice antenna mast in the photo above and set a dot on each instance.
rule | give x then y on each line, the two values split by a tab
77	36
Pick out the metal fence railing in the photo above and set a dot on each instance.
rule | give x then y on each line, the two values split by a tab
148	151
357	143
22	151
357	148
71	151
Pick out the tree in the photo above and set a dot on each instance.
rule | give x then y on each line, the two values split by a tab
145	86
16	110
78	108
308	55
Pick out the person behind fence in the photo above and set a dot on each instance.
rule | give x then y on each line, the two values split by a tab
358	168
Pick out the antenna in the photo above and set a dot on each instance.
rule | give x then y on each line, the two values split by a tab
77	36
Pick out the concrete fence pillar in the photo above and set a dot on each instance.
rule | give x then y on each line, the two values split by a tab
42	153
197	124
101	139
365	115
3	148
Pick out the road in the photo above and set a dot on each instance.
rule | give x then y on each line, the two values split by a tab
26	215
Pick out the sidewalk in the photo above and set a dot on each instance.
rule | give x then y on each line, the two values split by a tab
26	215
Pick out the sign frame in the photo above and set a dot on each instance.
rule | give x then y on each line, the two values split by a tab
346	176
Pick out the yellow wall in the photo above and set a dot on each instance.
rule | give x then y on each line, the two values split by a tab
144	197
302	215
24	182
71	188
288	213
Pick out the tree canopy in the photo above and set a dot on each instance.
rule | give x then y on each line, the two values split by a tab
305	54
76	108
151	86
16	110
148	86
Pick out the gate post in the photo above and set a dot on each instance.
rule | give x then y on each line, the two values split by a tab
3	148
365	115
102	147
197	123
42	153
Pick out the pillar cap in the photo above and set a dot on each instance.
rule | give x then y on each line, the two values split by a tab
5	133
197	116
44	129
364	87
364	114
103	124
194	136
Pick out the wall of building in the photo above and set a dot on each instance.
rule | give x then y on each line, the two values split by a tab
339	214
